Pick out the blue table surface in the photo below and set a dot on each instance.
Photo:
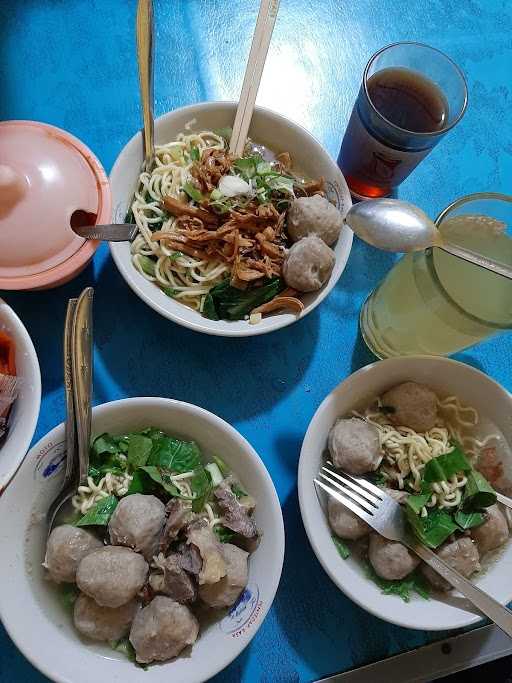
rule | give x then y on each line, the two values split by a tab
72	63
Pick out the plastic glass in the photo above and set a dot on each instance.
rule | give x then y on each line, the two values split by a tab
434	303
377	155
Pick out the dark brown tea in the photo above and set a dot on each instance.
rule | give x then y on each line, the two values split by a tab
375	156
408	99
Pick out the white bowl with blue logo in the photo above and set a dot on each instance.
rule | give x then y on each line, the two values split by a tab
29	607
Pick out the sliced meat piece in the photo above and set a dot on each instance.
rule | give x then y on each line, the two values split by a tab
190	558
173	580
225	592
177	208
204	539
235	515
179	514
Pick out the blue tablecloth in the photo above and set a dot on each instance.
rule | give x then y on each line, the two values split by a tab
72	63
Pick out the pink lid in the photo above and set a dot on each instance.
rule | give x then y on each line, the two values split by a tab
45	175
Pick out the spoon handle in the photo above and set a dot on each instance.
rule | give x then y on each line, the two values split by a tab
146	80
477	259
71	469
82	377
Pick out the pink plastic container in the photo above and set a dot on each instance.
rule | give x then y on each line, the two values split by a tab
45	175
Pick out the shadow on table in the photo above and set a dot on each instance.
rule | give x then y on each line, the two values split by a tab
322	625
147	355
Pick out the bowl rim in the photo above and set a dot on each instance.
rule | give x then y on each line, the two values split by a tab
8	313
303	495
278	321
63	272
248	450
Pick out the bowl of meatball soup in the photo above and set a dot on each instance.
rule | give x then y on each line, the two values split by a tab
187	282
167	559
436	435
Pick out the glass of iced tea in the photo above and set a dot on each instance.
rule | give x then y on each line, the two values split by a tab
434	303
411	95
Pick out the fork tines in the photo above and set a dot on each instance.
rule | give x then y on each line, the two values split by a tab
356	493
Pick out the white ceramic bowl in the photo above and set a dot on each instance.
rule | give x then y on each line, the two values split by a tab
446	377
279	134
23	418
30	610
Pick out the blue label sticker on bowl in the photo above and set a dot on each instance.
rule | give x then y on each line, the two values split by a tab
50	460
244	612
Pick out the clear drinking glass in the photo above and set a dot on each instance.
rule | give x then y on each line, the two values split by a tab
410	97
434	303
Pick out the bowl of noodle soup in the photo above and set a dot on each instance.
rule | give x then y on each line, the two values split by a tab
176	283
474	411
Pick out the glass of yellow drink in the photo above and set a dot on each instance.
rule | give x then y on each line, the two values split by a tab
434	303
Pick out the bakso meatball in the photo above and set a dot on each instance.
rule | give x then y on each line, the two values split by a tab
391	559
493	532
462	555
354	445
66	547
308	264
225	592
112	575
345	523
411	405
314	216
103	623
162	630
137	522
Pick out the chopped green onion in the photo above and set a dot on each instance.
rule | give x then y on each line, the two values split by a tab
194	194
216	475
194	153
147	264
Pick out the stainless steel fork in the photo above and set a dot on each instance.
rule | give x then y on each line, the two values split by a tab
385	515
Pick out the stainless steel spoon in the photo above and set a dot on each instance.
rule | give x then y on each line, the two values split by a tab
397	226
146	79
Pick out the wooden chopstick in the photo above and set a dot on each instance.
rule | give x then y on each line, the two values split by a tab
253	72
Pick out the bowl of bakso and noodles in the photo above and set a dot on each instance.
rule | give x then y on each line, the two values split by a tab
231	246
167	559
20	392
436	435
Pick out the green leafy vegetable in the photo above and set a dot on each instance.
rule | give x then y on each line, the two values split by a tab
224	534
468	520
169	291
418	502
194	153
478	493
68	593
221	465
162	478
153	433
147	264
238	491
376	478
433	529
175	255
174	455
225	133
413	583
445	466
139	449
104	443
100	513
248	165
125	647
141	483
201	486
341	547
229	303
194	194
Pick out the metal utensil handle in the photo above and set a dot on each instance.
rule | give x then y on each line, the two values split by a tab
146	79
71	460
500	615
82	377
477	259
